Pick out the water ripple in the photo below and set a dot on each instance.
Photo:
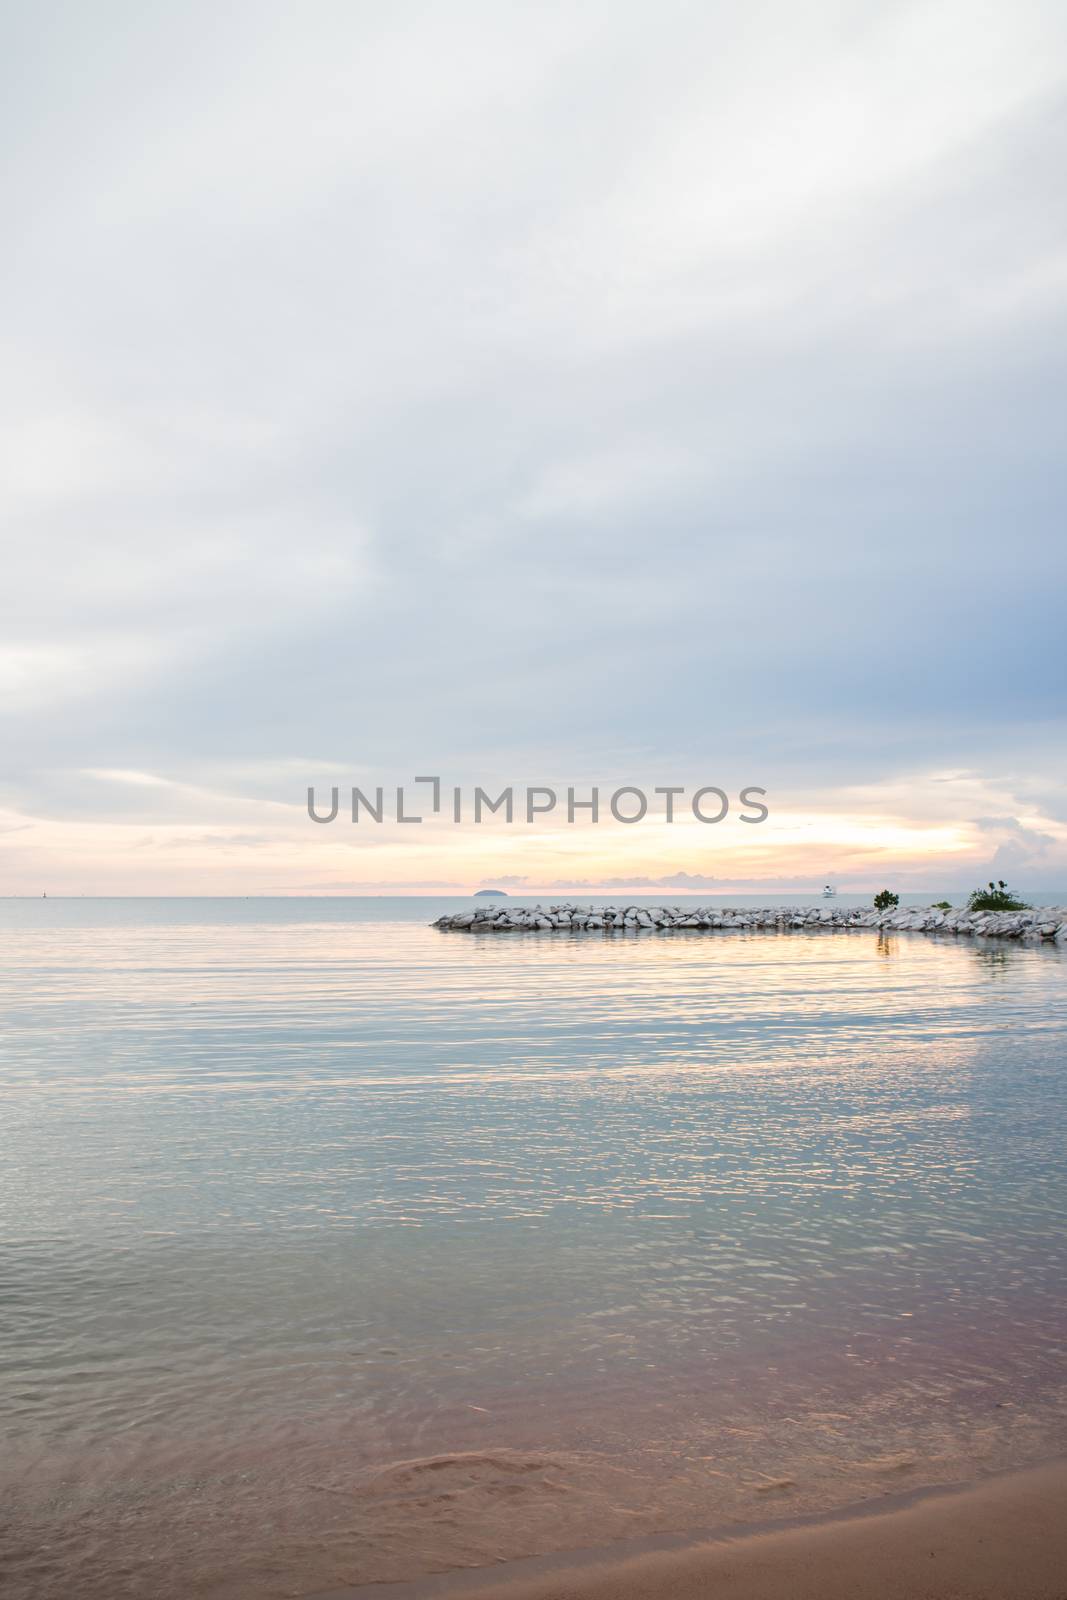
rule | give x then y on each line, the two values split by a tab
345	1195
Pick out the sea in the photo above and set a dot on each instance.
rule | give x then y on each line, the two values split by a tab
337	1251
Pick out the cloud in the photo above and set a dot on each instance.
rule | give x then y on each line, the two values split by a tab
211	842
345	886
670	880
1019	846
539	389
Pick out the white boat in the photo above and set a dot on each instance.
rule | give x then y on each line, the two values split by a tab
829	892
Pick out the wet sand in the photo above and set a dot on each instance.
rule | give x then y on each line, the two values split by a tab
1005	1539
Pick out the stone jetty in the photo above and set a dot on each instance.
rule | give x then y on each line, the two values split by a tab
1034	926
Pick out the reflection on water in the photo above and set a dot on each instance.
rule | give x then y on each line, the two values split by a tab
334	1252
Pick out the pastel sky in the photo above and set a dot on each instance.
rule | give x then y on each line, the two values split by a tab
532	393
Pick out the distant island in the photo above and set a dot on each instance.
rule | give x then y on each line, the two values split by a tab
494	894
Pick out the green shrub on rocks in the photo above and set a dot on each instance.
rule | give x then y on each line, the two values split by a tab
942	905
885	899
997	897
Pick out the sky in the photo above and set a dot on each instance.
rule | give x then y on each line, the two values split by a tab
573	394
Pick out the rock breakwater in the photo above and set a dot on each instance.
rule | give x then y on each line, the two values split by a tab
1037	925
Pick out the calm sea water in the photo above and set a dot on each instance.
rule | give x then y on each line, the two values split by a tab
336	1249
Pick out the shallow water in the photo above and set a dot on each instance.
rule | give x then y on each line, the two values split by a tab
340	1250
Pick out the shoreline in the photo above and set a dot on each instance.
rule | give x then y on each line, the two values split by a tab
1037	925
1002	1538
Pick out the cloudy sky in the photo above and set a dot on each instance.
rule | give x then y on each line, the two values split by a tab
532	393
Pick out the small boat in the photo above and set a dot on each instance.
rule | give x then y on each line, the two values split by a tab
829	892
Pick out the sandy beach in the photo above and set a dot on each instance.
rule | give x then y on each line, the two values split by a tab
1005	1539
